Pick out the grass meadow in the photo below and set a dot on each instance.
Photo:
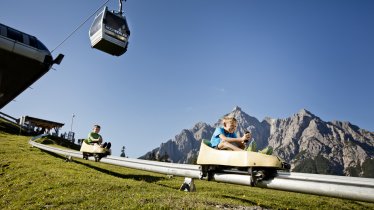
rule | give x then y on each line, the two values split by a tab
34	179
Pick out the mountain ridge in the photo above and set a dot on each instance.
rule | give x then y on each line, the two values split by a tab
310	144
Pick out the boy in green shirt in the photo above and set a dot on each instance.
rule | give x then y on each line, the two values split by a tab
95	137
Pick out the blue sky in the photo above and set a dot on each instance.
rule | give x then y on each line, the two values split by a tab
194	61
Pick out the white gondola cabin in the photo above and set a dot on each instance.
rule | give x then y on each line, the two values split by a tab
109	32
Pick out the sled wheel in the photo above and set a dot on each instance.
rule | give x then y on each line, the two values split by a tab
260	175
210	175
204	171
271	174
253	177
85	156
211	170
97	158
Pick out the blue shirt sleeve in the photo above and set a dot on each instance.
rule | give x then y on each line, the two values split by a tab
215	140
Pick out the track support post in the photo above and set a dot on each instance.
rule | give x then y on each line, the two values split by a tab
68	158
188	185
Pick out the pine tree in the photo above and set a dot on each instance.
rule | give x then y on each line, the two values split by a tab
123	152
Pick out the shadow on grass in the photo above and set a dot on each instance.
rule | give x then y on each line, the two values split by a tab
246	201
146	178
53	154
170	187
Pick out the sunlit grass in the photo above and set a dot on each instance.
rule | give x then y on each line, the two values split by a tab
33	179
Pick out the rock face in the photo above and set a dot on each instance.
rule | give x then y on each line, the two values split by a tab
315	146
307	142
184	147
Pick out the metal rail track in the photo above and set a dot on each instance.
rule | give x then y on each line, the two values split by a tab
353	188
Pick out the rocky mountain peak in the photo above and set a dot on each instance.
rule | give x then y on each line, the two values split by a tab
199	125
241	116
310	144
236	109
305	113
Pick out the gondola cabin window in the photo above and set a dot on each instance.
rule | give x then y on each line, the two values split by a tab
116	26
96	25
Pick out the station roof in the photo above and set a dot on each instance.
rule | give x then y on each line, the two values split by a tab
43	123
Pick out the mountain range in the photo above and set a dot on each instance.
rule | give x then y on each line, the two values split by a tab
310	144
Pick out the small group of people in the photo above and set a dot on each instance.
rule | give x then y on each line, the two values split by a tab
41	130
95	137
226	138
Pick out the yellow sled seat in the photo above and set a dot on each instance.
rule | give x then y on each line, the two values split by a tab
211	156
92	148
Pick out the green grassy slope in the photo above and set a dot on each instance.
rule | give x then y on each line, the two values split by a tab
33	179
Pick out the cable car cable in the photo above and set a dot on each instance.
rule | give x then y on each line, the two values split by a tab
80	26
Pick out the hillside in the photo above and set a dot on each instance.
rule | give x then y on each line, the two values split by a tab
310	144
33	179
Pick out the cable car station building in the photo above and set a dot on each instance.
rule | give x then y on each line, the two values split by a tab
40	126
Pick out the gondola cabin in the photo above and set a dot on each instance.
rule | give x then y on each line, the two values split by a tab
110	33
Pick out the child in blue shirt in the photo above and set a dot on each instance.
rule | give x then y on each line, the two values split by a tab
226	138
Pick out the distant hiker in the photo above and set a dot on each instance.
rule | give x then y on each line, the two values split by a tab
226	138
95	137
